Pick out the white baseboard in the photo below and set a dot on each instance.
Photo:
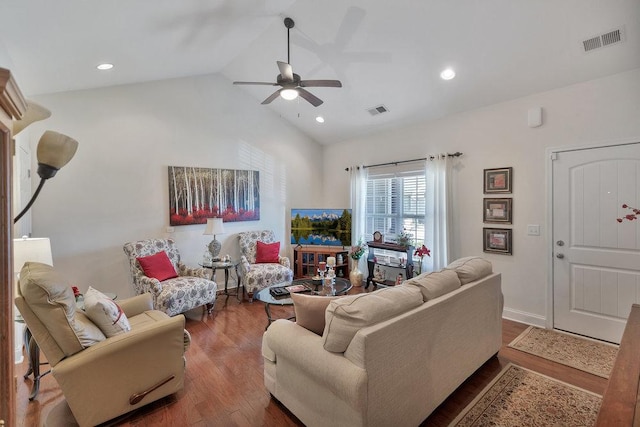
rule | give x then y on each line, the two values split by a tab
524	317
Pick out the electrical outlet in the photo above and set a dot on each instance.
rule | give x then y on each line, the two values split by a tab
170	230
533	230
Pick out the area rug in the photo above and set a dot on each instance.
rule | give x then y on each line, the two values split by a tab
595	357
520	397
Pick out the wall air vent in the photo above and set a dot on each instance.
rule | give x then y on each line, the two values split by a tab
378	110
603	40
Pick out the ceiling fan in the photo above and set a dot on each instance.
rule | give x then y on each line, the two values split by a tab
290	82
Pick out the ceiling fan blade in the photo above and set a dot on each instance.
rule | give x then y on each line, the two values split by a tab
256	83
320	83
273	96
314	100
285	71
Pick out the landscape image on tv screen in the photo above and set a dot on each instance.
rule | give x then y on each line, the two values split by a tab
326	227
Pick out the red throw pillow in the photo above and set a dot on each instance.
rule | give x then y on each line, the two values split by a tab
158	266
267	252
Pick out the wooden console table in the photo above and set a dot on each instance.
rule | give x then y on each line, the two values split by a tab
406	251
620	404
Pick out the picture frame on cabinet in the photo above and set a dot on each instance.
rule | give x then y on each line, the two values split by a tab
497	240
497	211
498	180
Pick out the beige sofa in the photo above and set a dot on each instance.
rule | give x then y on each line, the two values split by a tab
388	357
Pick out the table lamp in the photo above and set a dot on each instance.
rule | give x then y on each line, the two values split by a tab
214	226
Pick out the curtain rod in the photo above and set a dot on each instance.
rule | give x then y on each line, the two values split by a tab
456	154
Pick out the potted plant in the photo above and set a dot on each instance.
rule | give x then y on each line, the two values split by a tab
421	252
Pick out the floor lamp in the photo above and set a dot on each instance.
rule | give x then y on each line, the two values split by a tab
54	151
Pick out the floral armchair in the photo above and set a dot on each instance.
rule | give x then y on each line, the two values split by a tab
259	276
192	287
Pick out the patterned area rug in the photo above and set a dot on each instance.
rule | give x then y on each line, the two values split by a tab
595	357
520	397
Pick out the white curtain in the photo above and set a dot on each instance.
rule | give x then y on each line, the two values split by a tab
358	177
438	215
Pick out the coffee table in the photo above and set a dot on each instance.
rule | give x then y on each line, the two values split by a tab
341	287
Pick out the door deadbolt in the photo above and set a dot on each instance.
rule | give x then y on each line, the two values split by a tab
560	256
560	243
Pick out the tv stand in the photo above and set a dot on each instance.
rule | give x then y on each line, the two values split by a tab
306	259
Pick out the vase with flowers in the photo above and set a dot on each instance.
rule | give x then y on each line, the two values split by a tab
420	253
356	252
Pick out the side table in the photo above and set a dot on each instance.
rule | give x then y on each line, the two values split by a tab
226	266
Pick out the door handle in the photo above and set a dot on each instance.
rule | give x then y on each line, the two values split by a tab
559	256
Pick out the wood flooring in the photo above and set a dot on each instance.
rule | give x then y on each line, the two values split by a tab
224	383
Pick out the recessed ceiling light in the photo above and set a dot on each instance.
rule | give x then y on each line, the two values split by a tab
447	74
105	66
320	119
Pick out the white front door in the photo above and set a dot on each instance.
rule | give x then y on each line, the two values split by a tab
596	259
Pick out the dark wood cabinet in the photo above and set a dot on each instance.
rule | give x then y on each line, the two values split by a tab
306	259
392	261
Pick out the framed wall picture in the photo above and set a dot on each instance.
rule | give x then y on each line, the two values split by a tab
498	211
498	180
196	194
497	240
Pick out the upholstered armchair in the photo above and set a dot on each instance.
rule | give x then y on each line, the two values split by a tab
183	289
102	373
256	276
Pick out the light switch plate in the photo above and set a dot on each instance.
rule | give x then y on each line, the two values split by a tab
533	230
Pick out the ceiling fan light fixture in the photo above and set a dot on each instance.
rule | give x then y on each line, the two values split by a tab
289	94
105	66
320	119
447	74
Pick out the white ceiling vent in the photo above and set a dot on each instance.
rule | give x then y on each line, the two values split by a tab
378	110
602	40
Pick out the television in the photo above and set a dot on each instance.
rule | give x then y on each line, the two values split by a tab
324	227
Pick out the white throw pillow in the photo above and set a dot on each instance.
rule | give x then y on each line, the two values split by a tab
105	313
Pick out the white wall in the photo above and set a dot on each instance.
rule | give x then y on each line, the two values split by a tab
115	189
598	111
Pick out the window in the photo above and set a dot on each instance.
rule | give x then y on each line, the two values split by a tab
395	201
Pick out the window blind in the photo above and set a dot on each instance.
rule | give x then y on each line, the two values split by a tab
395	201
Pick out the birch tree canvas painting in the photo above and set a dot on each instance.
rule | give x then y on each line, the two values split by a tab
196	194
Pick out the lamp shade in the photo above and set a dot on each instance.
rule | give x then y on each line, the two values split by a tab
54	151
34	113
31	249
214	226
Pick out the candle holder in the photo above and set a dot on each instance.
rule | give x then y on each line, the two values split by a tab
328	282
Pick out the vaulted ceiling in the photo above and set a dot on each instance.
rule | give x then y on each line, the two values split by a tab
385	53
